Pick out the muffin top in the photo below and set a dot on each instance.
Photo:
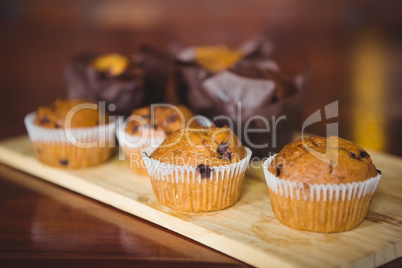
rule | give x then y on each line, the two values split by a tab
163	122
217	58
201	147
54	115
320	160
114	64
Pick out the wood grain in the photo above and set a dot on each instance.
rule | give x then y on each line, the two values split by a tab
44	225
247	231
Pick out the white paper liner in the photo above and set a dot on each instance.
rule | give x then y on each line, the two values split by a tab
136	141
88	137
168	172
182	188
297	190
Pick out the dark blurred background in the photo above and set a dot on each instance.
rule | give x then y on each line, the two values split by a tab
354	49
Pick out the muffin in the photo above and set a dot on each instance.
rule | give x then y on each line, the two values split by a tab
244	84
198	169
127	81
321	185
149	126
71	134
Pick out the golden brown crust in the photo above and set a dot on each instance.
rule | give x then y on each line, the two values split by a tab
194	146
54	115
320	160
166	120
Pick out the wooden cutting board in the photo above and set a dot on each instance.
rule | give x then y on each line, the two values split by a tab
248	231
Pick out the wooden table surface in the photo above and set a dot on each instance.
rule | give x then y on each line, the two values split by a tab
355	61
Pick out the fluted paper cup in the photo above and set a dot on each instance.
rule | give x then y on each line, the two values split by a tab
133	145
182	188
319	207
71	148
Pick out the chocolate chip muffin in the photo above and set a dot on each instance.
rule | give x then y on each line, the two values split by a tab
71	134
126	81
54	115
162	120
297	163
198	169
208	146
321	184
153	124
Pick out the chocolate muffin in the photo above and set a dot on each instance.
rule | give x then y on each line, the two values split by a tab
153	124
71	134
244	84
321	185
198	169
127	81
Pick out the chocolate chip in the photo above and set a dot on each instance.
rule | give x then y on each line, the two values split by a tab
379	171
330	166
306	186
228	156
313	142
171	118
135	128
39	150
44	120
64	162
204	170
59	123
153	126
278	169
222	148
363	154
354	156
